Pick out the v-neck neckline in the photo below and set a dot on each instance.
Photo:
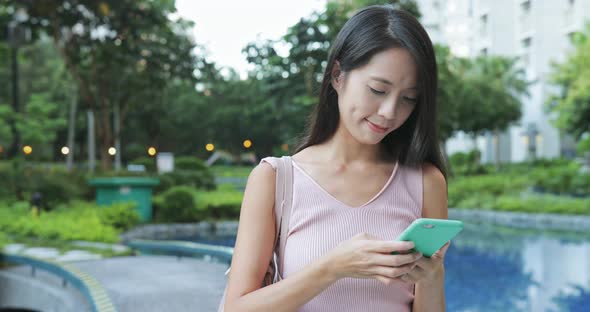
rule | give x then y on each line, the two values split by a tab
339	202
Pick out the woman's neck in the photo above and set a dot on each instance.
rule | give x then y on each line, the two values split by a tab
343	149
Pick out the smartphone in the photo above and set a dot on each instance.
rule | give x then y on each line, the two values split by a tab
429	235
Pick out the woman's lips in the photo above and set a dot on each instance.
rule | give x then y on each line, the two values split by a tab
375	127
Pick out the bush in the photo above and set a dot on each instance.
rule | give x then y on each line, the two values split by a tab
173	205
121	216
148	162
4	240
56	185
75	221
558	179
189	163
464	188
464	164
544	204
224	203
196	179
176	204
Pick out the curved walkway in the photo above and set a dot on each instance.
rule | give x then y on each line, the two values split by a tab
146	283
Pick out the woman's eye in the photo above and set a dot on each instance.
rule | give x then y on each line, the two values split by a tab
377	91
411	100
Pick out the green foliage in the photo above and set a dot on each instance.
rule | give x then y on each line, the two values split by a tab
4	240
121	216
144	50
186	204
566	179
221	204
76	221
189	163
232	171
38	124
465	164
488	99
545	204
196	179
19	180
462	188
572	103
176	204
148	162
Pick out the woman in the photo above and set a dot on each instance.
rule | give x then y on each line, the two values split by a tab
368	166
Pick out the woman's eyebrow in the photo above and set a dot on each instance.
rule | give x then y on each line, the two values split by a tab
381	79
385	81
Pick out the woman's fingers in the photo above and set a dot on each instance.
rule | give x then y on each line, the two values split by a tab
396	260
441	252
392	272
389	246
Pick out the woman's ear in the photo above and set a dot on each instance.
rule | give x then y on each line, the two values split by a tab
337	76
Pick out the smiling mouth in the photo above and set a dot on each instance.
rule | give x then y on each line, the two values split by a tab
376	128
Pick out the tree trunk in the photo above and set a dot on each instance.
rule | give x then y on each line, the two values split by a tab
105	136
16	141
71	130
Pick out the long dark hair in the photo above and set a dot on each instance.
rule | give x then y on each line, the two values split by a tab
371	30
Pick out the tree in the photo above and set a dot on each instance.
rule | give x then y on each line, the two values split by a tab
572	103
38	123
489	99
119	53
291	82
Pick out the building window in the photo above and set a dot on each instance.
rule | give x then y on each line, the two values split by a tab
525	16
526	43
483	30
484	51
526	7
568	15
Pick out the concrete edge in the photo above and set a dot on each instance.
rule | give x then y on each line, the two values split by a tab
84	282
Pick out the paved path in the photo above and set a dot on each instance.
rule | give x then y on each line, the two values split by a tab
143	283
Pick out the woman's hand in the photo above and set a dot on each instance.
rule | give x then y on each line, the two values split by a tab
427	268
365	256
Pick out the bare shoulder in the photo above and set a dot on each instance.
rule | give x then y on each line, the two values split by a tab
256	230
263	172
434	192
433	176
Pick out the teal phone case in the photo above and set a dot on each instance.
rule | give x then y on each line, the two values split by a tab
429	235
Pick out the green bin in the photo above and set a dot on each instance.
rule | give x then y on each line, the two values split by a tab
125	189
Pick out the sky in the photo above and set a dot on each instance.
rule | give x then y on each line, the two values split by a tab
225	27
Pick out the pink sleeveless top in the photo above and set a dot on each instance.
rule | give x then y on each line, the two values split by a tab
319	222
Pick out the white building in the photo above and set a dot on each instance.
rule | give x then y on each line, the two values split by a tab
536	31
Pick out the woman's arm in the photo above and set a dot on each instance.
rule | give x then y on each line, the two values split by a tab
430	293
253	251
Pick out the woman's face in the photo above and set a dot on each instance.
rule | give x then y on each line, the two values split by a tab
377	98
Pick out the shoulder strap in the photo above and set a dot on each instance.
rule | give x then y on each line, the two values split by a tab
286	210
279	197
282	207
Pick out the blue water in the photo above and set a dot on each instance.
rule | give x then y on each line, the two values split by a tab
500	269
